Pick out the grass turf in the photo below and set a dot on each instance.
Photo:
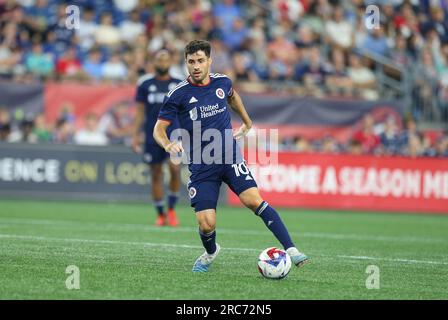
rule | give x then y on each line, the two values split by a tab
122	256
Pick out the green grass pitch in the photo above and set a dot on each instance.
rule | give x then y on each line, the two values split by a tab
120	254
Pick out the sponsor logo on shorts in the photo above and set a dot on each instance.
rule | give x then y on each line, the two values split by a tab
147	157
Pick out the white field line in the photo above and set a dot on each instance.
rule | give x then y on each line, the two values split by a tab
127	226
170	245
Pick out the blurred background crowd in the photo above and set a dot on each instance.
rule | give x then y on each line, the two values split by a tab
319	48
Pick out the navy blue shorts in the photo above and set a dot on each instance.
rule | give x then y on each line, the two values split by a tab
204	193
154	154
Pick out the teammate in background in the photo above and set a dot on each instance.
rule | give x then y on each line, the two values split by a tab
190	103
151	90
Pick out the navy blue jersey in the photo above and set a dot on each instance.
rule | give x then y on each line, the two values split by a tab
151	92
205	105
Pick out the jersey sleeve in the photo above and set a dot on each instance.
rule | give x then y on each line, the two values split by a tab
168	111
229	87
140	94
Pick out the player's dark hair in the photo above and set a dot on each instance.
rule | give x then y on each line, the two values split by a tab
198	45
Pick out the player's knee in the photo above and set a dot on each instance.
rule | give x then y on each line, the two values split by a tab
253	205
206	226
252	202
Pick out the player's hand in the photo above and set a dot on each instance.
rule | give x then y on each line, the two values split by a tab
241	132
174	148
136	143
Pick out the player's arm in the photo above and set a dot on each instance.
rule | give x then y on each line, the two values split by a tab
136	137
236	103
162	138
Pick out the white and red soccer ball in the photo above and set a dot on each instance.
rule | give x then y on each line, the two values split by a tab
274	263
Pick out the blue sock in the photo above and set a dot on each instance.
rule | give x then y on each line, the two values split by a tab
208	241
159	204
172	199
272	220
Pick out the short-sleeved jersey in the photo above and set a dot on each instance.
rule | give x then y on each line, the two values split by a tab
151	92
204	105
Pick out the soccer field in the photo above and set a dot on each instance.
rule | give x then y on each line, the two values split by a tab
120	254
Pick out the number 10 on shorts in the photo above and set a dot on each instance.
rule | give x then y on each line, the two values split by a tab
240	168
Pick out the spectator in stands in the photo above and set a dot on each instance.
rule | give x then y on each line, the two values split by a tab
87	29
41	15
63	36
426	83
41	130
222	62
25	132
337	80
437	22
242	68
314	72
329	145
366	137
90	135
339	32
131	28
93	66
226	12
414	147
390	140
235	36
63	132
400	54
114	69
442	146
5	124
301	144
362	78
355	147
376	42
9	61
117	124
69	66
281	53
107	34
39	63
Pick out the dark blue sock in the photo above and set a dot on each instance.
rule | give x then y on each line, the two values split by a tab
159	204
172	199
272	220
208	241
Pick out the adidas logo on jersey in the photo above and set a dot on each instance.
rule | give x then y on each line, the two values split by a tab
193	100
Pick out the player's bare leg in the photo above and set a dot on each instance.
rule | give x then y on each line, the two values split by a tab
157	192
252	199
207	223
173	195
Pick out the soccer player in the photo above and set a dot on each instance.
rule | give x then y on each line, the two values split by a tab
151	90
203	99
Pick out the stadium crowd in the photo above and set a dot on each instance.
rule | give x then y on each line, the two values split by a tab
315	45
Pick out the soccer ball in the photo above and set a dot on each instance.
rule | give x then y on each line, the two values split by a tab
274	263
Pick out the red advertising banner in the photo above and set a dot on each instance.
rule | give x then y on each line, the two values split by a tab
353	182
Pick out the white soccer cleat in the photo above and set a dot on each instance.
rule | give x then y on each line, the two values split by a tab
298	258
205	260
